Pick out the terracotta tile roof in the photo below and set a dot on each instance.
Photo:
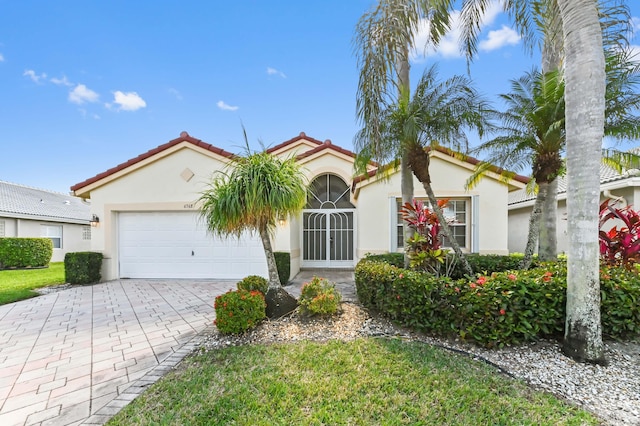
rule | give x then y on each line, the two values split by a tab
451	153
24	201
184	137
326	145
301	136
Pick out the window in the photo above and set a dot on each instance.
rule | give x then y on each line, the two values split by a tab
54	233
2	228
456	213
86	233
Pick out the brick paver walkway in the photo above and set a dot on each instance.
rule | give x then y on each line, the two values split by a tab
77	356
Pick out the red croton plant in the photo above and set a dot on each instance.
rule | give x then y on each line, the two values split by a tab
424	247
620	245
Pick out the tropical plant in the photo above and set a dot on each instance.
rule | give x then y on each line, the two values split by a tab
383	38
238	311
425	245
250	195
619	246
438	114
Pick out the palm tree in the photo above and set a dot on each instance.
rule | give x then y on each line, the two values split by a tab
437	114
251	195
585	118
383	38
533	133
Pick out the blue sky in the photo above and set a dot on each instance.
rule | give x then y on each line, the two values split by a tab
88	85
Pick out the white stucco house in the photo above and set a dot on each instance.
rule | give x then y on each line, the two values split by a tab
32	212
149	224
624	188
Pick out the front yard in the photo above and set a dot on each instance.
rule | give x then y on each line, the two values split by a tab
18	285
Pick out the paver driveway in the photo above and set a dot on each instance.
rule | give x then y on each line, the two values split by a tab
78	355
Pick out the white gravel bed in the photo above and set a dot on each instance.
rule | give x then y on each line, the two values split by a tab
612	392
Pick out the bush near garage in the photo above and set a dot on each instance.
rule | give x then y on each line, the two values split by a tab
238	311
254	282
83	267
25	252
283	263
495	309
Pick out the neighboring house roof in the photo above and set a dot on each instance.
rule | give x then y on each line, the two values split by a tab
184	137
31	203
607	176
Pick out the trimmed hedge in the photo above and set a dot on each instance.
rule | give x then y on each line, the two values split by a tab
508	307
82	267
283	262
25	252
253	282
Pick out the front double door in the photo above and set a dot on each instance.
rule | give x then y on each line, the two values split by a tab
328	238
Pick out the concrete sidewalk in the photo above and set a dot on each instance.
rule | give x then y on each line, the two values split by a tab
77	356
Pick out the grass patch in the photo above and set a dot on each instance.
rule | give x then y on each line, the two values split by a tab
19	284
364	382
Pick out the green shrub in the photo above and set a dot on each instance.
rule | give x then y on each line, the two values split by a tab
238	311
488	263
254	282
25	252
82	267
500	308
319	297
283	263
395	259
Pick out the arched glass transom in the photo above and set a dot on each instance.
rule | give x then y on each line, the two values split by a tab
328	192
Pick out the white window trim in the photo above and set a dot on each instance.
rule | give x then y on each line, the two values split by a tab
472	228
44	231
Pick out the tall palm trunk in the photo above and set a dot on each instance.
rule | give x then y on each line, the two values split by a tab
548	240
534	227
419	162
585	106
406	178
274	278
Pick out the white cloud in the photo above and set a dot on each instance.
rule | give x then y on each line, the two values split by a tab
129	101
635	24
81	94
449	46
273	71
499	38
34	77
61	81
225	107
1	58
176	93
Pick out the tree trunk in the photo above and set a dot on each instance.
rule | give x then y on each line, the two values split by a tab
585	105
279	301
406	178
548	239
419	162
534	226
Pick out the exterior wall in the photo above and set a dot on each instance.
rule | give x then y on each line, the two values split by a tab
72	239
519	219
375	200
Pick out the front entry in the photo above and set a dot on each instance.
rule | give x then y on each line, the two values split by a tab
328	238
328	225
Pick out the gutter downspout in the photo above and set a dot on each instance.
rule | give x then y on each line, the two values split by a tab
616	198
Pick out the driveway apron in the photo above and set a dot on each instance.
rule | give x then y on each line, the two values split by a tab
79	355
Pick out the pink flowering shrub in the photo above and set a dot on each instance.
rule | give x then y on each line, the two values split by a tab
238	311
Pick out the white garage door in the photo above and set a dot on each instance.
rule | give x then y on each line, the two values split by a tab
176	245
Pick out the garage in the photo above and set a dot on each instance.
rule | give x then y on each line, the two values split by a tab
176	245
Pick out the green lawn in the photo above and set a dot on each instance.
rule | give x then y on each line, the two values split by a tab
19	284
365	382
